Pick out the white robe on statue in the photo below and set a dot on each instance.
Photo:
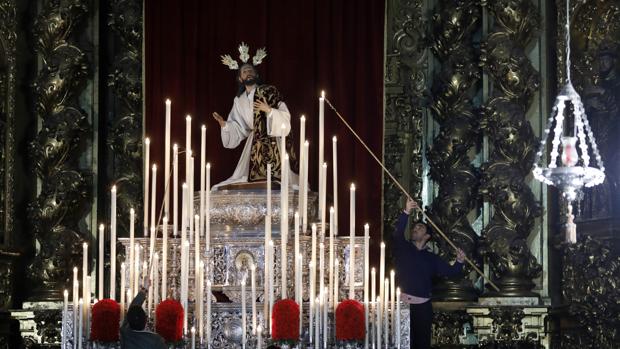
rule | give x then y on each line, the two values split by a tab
239	127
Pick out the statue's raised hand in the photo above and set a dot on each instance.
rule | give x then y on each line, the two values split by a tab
220	120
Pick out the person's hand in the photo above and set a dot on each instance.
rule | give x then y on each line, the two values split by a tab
262	105
219	119
460	256
410	206
147	284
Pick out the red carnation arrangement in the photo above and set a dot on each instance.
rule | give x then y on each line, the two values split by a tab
106	315
350	322
169	320
285	321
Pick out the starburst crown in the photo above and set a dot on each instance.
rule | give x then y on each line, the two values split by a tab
244	56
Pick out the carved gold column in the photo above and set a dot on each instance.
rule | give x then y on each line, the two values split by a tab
125	80
58	209
405	84
513	145
454	88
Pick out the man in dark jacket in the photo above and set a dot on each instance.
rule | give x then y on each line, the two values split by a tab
415	267
133	331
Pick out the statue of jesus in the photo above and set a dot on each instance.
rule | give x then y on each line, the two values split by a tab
260	117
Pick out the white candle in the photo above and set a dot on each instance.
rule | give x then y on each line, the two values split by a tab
164	260
313	271
324	319
269	189
382	271
398	318
175	190
201	288
113	243
302	138
100	261
373	286
193	337
132	270
332	231
167	160
122	290
87	305
190	199
196	252
266	271
183	243
317	323
153	196
378	308
147	173
386	315
150	289
136	268
366	281
208	210
259	337
155	280
85	294
188	147
311	286
323	201
352	242
284	221
65	304
75	292
81	325
208	294
243	314
321	144
299	281
253	285
321	267
336	281
152	238
185	276
305	191
335	180
203	152
271	281
393	302
297	266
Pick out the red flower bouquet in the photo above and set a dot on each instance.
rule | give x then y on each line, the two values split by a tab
350	323
285	319
169	320
106	315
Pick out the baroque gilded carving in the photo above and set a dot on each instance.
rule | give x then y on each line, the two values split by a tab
405	85
59	206
8	85
49	325
454	87
514	81
125	141
590	289
448	326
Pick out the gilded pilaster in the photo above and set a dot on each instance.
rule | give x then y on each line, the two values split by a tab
63	197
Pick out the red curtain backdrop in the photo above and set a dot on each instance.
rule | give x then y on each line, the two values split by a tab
331	45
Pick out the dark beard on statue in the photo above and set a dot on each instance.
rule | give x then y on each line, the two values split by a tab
249	81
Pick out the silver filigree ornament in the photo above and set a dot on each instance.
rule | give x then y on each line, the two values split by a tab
244	56
574	170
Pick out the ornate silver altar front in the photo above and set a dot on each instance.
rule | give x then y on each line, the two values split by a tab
237	240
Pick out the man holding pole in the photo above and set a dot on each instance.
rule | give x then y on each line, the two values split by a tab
416	266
